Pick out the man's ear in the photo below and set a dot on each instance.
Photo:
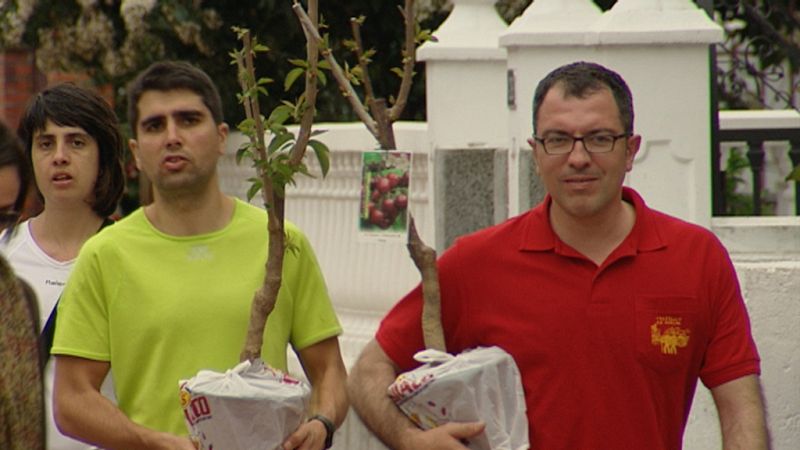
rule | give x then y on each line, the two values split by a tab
133	146
631	149
222	131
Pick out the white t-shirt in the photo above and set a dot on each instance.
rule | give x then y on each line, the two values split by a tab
47	277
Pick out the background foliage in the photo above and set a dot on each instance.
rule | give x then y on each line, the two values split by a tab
112	40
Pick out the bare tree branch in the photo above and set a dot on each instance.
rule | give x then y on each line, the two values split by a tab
344	84
310	96
244	61
384	124
409	59
424	258
355	25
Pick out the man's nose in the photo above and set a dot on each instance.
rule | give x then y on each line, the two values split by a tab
579	156
173	133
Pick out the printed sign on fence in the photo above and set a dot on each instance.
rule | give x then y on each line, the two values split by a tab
385	179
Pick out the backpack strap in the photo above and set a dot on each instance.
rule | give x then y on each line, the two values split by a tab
49	331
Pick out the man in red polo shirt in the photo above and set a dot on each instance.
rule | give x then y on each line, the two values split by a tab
611	310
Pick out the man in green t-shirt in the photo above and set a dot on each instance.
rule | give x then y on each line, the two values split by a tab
166	291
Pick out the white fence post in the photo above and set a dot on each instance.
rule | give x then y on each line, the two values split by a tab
661	48
467	120
465	78
548	34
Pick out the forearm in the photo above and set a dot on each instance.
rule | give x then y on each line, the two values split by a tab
739	437
741	413
92	418
747	432
325	370
329	396
367	389
82	412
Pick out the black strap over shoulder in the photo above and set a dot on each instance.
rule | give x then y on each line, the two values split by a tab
49	330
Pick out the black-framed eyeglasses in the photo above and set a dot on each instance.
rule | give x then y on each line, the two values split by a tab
561	144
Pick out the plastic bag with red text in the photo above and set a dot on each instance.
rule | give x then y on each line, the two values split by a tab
482	384
250	407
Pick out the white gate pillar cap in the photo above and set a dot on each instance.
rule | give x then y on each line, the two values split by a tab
553	22
470	32
657	22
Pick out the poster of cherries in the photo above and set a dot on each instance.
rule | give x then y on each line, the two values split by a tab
384	192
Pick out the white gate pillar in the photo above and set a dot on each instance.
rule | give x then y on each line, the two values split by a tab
548	34
661	47
465	78
467	120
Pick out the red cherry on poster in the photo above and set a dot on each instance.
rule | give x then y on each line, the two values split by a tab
383	185
401	202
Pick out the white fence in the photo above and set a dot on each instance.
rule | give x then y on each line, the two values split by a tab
660	47
778	194
365	279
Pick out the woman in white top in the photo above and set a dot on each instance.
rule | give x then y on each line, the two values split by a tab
72	140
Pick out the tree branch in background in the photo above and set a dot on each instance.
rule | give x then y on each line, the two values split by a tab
310	98
276	165
381	118
384	123
409	59
424	258
364	58
344	84
380	125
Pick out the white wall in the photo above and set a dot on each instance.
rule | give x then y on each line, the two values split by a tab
659	47
771	287
366	279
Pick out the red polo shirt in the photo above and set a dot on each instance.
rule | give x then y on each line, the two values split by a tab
609	355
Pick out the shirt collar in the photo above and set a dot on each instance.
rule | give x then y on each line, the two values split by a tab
645	235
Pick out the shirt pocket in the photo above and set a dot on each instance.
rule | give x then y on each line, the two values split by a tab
666	332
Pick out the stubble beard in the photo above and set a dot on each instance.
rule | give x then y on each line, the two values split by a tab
184	184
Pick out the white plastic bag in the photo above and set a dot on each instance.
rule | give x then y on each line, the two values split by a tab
250	407
482	384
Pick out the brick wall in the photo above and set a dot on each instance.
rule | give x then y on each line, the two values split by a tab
19	79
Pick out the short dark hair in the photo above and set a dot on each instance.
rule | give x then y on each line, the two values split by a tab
169	76
580	79
72	106
12	155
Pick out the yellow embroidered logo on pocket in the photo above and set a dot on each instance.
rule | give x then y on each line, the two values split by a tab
667	333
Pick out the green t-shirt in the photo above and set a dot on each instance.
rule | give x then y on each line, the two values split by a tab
160	308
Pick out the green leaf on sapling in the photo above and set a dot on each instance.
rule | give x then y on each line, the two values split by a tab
278	141
323	155
256	186
291	77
